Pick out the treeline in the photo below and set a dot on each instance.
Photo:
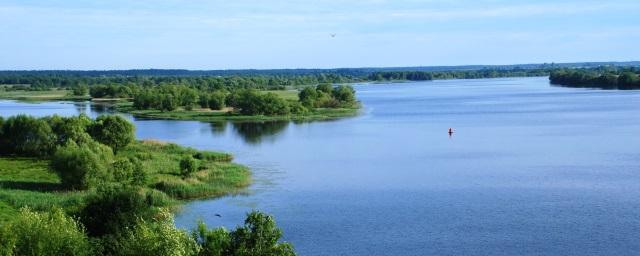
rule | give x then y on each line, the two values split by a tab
469	74
47	81
117	215
623	79
243	101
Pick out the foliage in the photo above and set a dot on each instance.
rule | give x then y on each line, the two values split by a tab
597	78
28	136
259	236
113	131
157	237
49	233
115	208
188	165
80	167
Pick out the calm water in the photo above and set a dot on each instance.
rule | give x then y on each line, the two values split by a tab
531	170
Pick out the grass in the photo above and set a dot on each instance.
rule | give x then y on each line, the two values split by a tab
40	95
28	182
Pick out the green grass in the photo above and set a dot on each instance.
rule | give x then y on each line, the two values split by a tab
40	95
28	182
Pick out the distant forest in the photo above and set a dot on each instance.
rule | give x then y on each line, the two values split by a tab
627	78
283	78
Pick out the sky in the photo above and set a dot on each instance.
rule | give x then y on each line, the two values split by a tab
269	34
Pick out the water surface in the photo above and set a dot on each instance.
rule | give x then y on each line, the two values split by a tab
531	170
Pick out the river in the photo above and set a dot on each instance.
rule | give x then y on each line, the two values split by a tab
531	169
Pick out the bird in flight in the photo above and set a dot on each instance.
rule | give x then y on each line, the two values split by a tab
332	35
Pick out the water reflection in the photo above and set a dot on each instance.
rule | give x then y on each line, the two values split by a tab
256	132
218	127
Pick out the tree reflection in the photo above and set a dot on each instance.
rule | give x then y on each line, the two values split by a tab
255	132
218	127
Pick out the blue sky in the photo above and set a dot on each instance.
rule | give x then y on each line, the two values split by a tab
233	34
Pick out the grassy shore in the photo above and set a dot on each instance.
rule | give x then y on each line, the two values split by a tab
40	95
28	182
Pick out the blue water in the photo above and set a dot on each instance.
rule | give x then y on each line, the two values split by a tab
531	170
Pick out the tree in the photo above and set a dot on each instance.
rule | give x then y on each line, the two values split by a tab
259	236
49	233
114	208
326	88
168	102
113	131
344	94
26	135
81	167
158	237
216	100
628	80
80	90
308	96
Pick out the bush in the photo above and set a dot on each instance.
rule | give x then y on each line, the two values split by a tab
188	165
258	236
80	167
113	131
114	208
51	233
160	237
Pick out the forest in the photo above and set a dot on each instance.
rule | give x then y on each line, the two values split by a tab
602	78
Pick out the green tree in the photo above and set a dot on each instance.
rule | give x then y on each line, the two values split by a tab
113	131
326	88
308	96
258	237
80	167
158	237
26	135
80	90
216	100
50	233
114	208
344	94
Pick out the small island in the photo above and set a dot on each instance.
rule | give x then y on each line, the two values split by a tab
185	103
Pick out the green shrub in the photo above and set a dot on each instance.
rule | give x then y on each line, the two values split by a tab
188	165
52	233
80	167
258	236
160	237
114	208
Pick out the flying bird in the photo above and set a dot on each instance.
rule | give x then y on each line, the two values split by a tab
332	35
217	215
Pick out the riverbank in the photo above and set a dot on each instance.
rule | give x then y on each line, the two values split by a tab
48	95
29	182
